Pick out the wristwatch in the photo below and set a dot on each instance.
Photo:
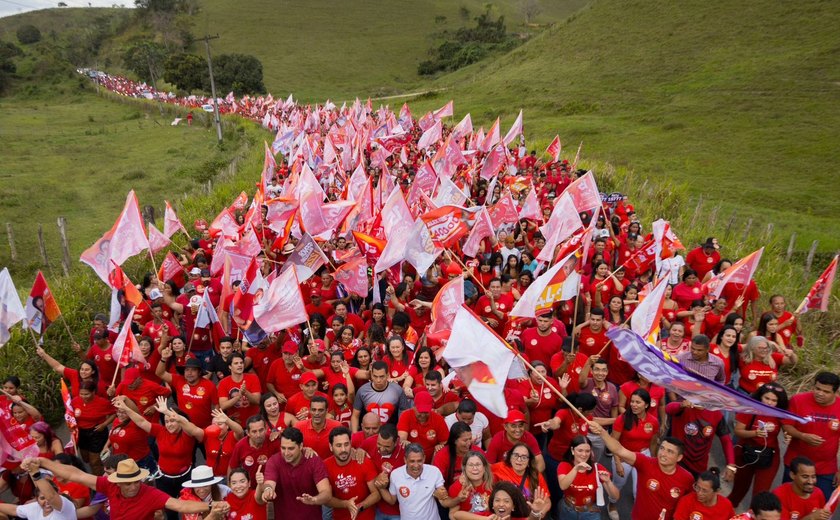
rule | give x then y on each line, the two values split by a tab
361	508
37	476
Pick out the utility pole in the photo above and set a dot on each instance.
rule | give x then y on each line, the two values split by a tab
218	120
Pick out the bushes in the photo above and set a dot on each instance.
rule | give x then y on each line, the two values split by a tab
28	34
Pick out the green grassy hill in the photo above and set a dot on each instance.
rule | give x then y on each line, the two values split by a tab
318	49
740	101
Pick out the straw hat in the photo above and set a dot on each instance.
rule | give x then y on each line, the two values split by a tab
202	476
127	471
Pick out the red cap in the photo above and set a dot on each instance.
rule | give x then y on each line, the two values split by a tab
423	402
322	347
131	375
543	312
309	377
290	347
514	416
453	269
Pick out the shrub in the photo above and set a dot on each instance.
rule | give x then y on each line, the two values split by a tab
28	34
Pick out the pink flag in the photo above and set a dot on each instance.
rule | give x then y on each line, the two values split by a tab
225	223
424	180
741	272
584	192
531	208
818	296
449	194
648	315
206	317
554	149
493	162
430	136
564	221
171	223
445	306
481	359
515	130
504	211
491	139
464	127
169	268
482	229
307	257
445	111
448	158
125	239
353	276
282	305
126	350
157	240
269	166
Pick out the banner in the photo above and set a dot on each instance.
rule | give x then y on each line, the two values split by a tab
41	307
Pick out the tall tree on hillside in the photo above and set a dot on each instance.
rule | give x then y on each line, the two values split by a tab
530	9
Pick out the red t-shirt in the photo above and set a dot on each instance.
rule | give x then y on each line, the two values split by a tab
499	446
590	343
396	367
428	435
128	439
639	436
317	440
573	369
504	304
541	348
262	358
106	365
285	380
582	491
657	394
298	402
700	262
245	507
787	332
218	450
755	374
795	507
176	450
197	401
689	508
72	377
351	480
773	426
88	415
657	490
570	427
141	506
246	456
155	330
144	397
243	409
826	423
478	501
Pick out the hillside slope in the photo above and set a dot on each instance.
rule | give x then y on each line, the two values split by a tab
739	100
319	49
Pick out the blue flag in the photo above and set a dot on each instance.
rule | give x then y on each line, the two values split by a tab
666	372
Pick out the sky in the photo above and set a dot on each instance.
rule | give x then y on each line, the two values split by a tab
10	7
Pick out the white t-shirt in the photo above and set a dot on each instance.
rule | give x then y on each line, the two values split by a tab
480	422
33	510
416	496
670	267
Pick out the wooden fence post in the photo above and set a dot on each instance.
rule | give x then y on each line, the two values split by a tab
42	246
12	247
810	259
696	211
790	247
768	232
747	229
149	215
729	225
65	245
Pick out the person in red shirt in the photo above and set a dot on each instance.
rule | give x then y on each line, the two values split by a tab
126	437
317	428
423	425
354	493
540	342
579	476
317	305
239	393
515	430
156	327
245	501
759	364
688	290
568	363
696	427
661	481
705	501
195	395
820	438
93	416
260	357
702	259
284	375
387	453
449	459
297	406
472	493
493	307
789	326
142	392
592	334
100	353
253	450
800	497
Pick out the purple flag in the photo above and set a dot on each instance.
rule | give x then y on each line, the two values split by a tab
668	373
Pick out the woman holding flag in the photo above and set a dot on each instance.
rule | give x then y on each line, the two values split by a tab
584	483
87	372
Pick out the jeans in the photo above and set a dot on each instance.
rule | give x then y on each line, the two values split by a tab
567	513
598	446
381	516
326	513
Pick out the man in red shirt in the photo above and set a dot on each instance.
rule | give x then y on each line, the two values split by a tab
445	402
284	375
154	328
297	405
568	362
354	494
493	307
239	393
819	439
702	259
515	430
196	395
316	429
423	425
387	454
254	449
540	342
592	335
660	481
800	497
143	392
100	353
318	306
370	426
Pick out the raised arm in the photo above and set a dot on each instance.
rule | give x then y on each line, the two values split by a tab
70	473
612	444
160	370
46	489
31	410
51	361
120	404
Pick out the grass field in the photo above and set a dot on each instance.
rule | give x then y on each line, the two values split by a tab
741	102
78	155
341	50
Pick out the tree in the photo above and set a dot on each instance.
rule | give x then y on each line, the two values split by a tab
144	56
186	71
530	9
240	73
27	34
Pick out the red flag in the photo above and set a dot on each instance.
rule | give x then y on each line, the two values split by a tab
741	272
125	239
353	276
285	231
169	268
493	162
250	289
585	193
644	258
464	127
157	240
504	211
482	229
818	296
126	350
492	138
554	149
225	223
282	304
69	415
120	281
444	308
171	223
446	225
371	247
41	307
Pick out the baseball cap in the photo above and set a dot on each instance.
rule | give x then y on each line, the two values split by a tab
290	347
423	402
514	416
322	347
307	377
195	271
154	294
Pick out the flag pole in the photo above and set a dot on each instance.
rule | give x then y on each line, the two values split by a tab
152	256
32	333
67	328
469	271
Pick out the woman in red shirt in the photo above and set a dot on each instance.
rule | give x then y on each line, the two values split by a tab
599	289
760	364
88	371
631	300
424	362
688	290
540	399
362	361
93	416
676	341
758	432
638	430
242	499
471	493
449	459
567	424
768	326
726	348
582	480
396	357
378	316
614	313
669	309
273	415
49	445
127	438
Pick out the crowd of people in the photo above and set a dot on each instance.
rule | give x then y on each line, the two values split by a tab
354	414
